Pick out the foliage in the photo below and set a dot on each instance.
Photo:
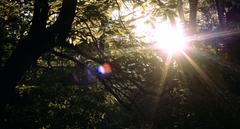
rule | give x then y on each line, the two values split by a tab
63	90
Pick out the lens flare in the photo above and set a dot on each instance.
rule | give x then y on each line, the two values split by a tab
100	70
104	69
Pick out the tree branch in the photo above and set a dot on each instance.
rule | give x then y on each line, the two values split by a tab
68	57
61	28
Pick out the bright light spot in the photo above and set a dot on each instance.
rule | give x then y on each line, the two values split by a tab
155	31
162	35
100	70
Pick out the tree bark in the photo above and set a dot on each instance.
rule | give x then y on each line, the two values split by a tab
221	10
180	10
39	40
193	5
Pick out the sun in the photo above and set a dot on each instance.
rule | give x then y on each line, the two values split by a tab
156	31
162	34
170	39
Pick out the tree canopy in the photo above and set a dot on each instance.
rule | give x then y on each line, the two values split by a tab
119	64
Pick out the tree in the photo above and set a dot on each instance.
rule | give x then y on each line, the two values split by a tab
63	89
180	10
39	40
221	12
193	6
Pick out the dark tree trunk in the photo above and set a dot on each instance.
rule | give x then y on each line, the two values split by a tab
193	5
180	10
1	44
39	40
233	15
232	43
221	10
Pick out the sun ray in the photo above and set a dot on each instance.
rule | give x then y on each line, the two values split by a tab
202	74
165	72
207	36
211	85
